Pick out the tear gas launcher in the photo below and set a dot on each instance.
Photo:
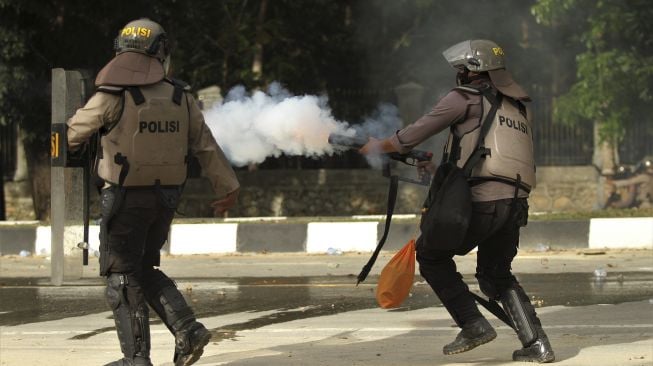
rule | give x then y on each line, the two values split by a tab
411	158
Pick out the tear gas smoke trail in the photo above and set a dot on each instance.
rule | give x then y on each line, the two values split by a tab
251	128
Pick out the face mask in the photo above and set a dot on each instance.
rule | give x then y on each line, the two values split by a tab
462	77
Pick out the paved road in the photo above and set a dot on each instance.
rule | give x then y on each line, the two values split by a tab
304	310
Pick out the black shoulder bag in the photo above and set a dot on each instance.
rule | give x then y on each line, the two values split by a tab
448	206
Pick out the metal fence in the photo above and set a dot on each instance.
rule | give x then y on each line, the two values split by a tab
557	143
638	142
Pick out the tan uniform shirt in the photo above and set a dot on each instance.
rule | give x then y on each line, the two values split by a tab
451	111
105	109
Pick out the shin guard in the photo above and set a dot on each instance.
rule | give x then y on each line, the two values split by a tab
521	311
131	319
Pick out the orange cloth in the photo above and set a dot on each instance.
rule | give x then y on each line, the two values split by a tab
397	277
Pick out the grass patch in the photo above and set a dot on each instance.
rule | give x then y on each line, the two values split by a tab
586	215
546	216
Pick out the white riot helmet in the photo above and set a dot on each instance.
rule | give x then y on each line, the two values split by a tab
476	55
481	55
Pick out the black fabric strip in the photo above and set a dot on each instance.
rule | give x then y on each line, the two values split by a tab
115	91
392	199
476	181
495	309
177	94
481	151
137	95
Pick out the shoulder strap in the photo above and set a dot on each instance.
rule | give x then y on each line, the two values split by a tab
179	88
137	95
495	101
481	151
454	154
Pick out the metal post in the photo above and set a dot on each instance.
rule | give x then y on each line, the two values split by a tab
68	94
3	215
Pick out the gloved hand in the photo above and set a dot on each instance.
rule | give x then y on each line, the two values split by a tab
222	205
376	146
373	146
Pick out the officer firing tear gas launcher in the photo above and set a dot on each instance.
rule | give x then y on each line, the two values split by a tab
413	157
478	197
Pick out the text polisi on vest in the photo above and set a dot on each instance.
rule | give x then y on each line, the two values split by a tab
513	123
158	126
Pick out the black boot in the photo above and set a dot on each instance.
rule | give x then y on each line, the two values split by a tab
137	361
166	300
131	317
539	351
189	343
536	346
472	335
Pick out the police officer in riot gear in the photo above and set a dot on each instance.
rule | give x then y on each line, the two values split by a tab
148	126
490	140
632	188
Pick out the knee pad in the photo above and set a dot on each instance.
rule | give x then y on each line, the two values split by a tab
154	278
115	291
487	286
155	281
494	280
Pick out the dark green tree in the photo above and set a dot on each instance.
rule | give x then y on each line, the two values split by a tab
213	42
614	70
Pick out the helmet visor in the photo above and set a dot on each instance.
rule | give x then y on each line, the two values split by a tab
458	54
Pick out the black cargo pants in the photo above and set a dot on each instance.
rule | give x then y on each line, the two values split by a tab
494	228
135	225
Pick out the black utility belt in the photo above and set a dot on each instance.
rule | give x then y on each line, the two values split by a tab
476	181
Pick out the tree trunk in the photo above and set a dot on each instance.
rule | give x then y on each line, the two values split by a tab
3	215
605	159
605	153
257	64
21	162
38	167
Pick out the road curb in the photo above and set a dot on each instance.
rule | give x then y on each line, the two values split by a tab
320	235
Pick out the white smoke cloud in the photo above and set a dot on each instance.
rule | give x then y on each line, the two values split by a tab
250	128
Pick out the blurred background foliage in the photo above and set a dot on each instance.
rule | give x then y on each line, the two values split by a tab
584	61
